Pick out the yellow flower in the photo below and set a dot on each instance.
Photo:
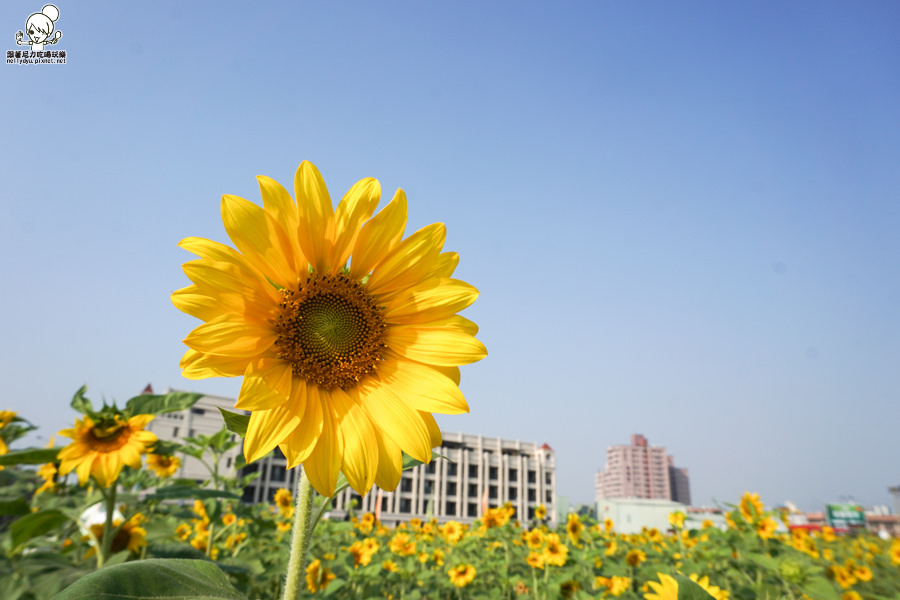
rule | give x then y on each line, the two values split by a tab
183	531
574	528
676	519
610	548
283	526
163	465
555	553
101	449
851	595
635	557
343	364
317	576
6	417
540	513
534	539
402	545
535	560
666	589
895	551
462	575
766	527
843	576
751	507
568	588
828	534
229	519
129	535
715	592
48	474
452	531
863	573
285	502
389	565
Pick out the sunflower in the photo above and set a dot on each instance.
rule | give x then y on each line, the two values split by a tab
343	363
540	513
462	575
101	448
317	576
635	557
284	500
129	535
164	465
666	589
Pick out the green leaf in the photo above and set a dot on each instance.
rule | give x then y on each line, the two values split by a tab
153	404
820	589
174	492
29	456
35	524
14	506
154	578
689	590
80	403
235	422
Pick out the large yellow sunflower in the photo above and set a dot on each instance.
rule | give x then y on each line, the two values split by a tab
102	448
343	362
666	589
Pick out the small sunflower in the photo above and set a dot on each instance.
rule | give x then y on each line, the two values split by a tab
284	500
103	446
129	535
666	589
317	576
462	575
635	557
164	465
343	362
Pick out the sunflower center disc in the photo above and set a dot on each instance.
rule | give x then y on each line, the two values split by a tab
330	331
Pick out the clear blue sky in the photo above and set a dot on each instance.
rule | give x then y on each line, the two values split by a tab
682	217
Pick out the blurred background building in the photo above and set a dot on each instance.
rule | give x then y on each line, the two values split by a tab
642	471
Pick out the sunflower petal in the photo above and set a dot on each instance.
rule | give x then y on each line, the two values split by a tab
260	238
442	346
324	463
379	236
357	205
315	215
445	265
424	388
360	460
267	384
433	430
430	300
408	263
302	441
268	428
395	418
390	464
230	337
278	203
199	365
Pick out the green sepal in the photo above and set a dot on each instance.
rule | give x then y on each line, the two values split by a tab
235	422
82	404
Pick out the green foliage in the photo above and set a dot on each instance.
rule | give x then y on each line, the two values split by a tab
153	404
35	524
153	579
235	422
688	590
29	456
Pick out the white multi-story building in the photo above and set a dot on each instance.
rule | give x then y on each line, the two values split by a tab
479	472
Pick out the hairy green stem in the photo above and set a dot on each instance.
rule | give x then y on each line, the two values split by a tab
106	540
300	538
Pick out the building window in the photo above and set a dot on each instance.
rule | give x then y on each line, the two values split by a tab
451	488
278	452
513	493
175	432
429	468
513	475
532	496
530	512
472	509
492	492
249	496
451	508
532	476
451	469
228	462
384	504
548	496
405	505
473	471
473	490
548	478
429	486
277	474
406	484
271	495
198	411
492	473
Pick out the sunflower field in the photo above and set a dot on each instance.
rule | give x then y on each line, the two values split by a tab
76	523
